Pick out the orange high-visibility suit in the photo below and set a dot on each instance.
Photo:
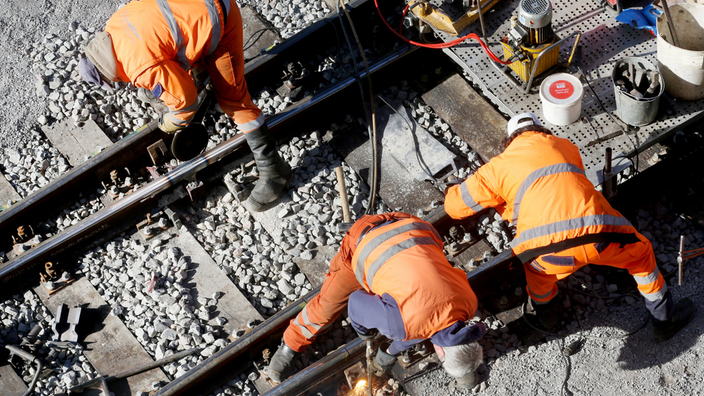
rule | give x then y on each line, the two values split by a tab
157	42
396	254
562	223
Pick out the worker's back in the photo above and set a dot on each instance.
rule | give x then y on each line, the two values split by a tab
547	195
405	260
143	33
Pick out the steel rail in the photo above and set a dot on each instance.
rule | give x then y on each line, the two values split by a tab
354	350
113	214
62	191
242	351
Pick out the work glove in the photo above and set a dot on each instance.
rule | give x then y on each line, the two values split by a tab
383	362
168	126
279	367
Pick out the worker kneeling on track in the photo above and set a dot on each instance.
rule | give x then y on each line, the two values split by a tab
154	44
562	223
393	270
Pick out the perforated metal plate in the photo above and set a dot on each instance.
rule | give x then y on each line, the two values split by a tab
605	41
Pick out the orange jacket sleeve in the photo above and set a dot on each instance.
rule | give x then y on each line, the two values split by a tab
478	192
169	82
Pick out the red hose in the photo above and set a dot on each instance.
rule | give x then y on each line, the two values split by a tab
441	45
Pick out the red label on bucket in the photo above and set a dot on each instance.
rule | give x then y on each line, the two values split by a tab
561	89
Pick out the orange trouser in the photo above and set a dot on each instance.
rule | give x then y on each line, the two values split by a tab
226	69
340	282
638	258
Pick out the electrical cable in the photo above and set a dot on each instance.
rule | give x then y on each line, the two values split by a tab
261	32
421	162
566	353
372	135
448	44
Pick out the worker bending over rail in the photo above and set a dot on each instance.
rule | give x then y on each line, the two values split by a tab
393	270
155	44
562	223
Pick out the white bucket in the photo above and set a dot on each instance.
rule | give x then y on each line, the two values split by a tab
561	95
682	67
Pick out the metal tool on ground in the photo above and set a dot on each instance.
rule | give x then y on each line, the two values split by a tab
449	18
65	324
685	255
342	189
370	356
158	363
17	351
609	186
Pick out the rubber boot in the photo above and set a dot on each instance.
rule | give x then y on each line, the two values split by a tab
274	173
682	315
548	315
279	368
468	381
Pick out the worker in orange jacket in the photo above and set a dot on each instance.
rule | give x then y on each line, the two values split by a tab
562	223
392	269
154	44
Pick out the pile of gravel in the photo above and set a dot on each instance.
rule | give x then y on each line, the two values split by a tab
68	96
34	166
19	315
145	286
259	263
289	17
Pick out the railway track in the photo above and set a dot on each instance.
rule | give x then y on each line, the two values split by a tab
241	330
131	151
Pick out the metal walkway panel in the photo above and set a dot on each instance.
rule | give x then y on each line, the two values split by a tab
605	41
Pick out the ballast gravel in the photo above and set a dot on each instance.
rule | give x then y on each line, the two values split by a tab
18	315
611	360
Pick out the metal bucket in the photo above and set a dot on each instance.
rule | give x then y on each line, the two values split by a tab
683	67
632	111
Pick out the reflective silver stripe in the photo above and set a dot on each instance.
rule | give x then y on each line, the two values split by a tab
215	22
178	121
252	125
648	279
306	333
306	320
380	239
393	250
132	28
175	33
534	176
658	295
467	198
546	295
192	107
566	225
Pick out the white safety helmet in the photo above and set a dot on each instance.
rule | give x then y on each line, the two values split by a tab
522	120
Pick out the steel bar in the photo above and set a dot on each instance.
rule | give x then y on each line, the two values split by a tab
335	361
65	188
106	218
354	350
670	25
200	375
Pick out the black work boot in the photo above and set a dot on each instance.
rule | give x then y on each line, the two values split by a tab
548	315
274	173
280	365
683	314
